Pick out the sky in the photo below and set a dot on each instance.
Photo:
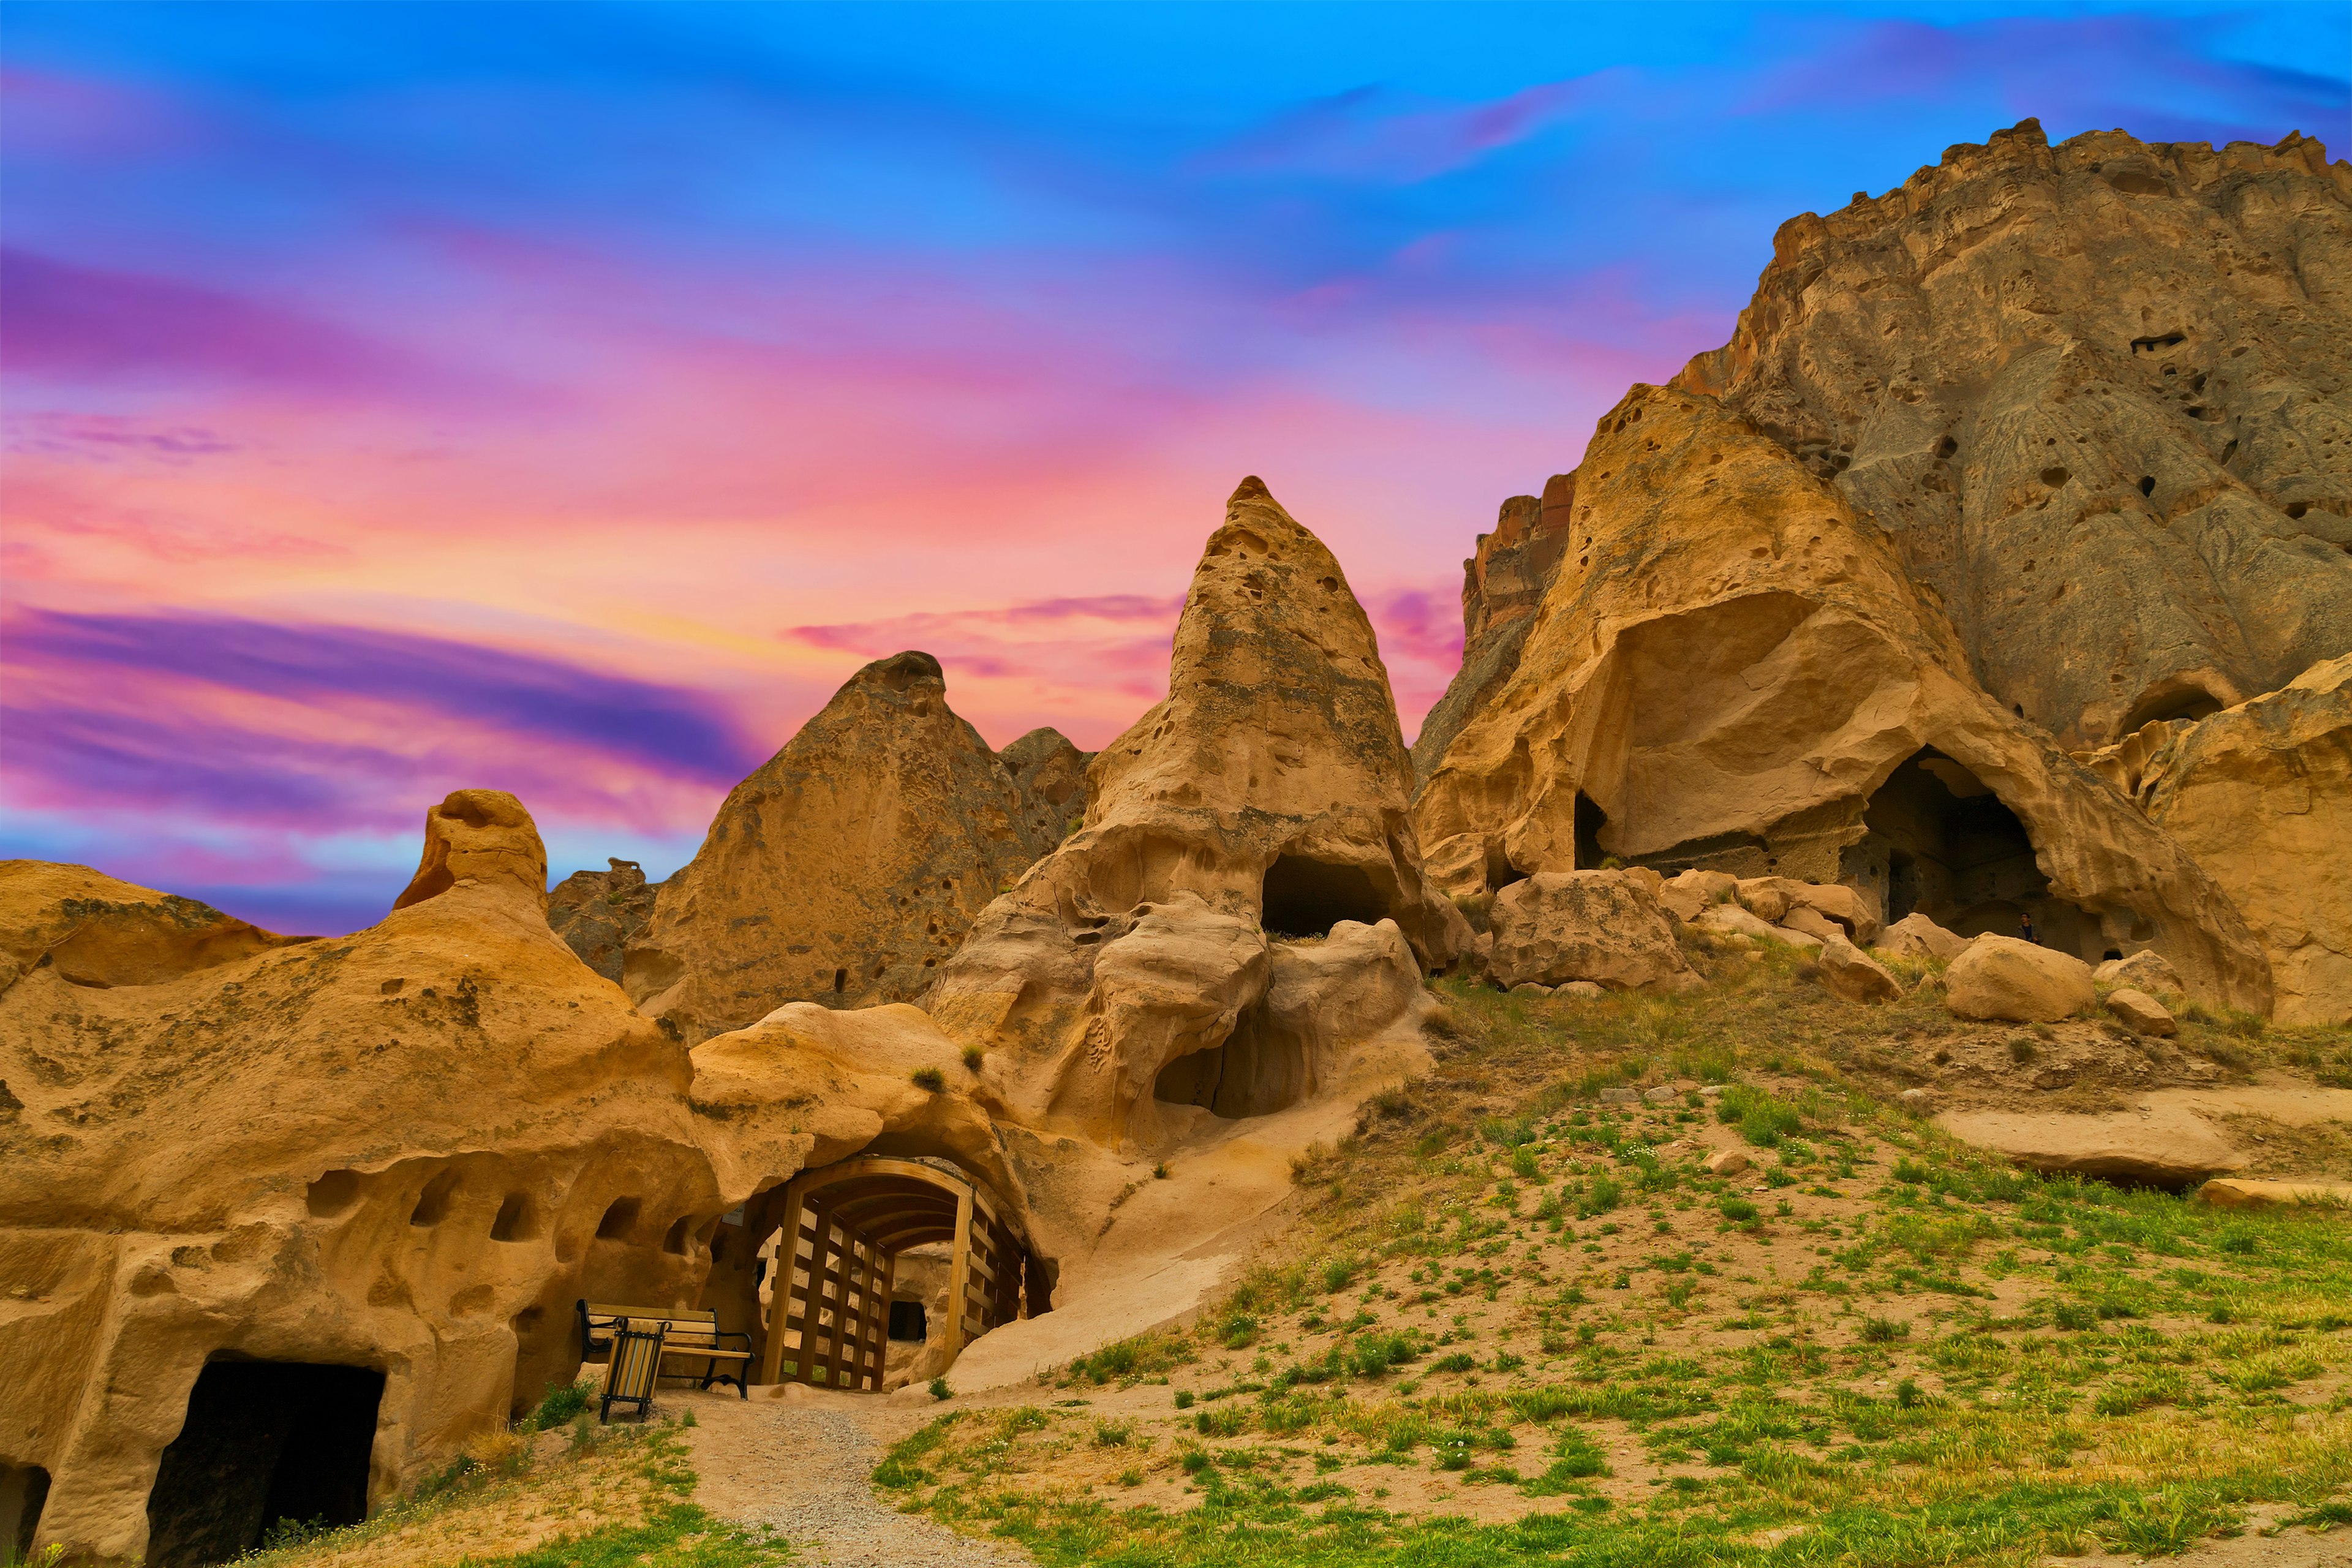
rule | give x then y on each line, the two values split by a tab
567	399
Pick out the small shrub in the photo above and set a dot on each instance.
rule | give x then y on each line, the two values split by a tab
1884	1331
1739	1211
1111	1434
562	1402
1339	1274
1227	1423
940	1389
931	1081
1184	1399
972	1057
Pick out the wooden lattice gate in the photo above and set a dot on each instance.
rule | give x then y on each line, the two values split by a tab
842	1228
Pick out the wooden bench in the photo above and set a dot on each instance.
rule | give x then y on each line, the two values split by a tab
694	1335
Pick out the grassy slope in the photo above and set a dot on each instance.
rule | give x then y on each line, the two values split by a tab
1518	1325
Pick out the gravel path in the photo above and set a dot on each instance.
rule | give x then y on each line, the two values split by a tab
801	1469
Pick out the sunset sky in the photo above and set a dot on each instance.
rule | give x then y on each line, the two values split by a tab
566	399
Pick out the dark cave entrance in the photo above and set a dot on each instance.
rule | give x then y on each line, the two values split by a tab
23	1490
264	1441
909	1322
1590	820
1260	1070
1942	844
2174	698
1306	898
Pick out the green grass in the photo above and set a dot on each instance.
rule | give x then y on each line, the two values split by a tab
2166	1371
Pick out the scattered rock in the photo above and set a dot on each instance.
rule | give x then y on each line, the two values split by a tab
1811	923
1583	990
2164	1147
1804	941
1916	936
1850	972
1854	913
1689	893
1603	926
2142	1014
1731	920
2003	977
915	1395
1712	1091
2142	971
2241	1193
1918	1101
1726	1162
1528	988
1661	1094
1620	1097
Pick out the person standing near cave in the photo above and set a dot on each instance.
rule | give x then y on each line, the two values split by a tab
2025	928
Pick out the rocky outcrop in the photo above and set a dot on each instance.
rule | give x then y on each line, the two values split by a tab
2160	1147
1916	936
1734	670
847	869
2142	1014
2096	395
2144	970
599	913
1051	774
1503	582
1266	799
1850	972
94	931
2002	978
1607	927
2261	794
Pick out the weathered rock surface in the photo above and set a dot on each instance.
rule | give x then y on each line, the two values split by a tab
1051	774
1852	973
2142	971
2262	796
1689	894
1266	799
599	913
2142	1014
848	867
1607	927
2068	382
1502	584
95	931
2163	1147
1733	669
1916	936
1730	919
2002	978
2244	1193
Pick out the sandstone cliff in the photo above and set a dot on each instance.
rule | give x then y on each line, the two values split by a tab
850	865
1268	797
2100	397
1502	584
1733	669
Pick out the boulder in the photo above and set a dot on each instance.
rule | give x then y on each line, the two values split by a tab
1607	927
1766	898
1776	898
1457	867
1688	894
1582	990
1528	988
1803	941
1850	972
1731	920
599	913
2003	977
2241	1193
2142	1014
1812	923
1261	809
1726	1162
1620	1097
847	868
1661	1094
2162	1147
1916	936
2144	970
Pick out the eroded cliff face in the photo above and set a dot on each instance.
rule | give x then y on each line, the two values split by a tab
848	868
1503	582
2099	395
1733	669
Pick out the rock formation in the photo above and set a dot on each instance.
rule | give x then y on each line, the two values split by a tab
1265	798
1502	584
847	869
2261	794
1607	927
1733	670
355	1185
599	913
2096	395
2002	978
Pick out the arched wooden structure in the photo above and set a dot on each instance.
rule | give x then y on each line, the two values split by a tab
842	1228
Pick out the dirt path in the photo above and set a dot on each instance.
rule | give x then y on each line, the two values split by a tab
801	1467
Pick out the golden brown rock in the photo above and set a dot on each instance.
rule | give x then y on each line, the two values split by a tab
2262	796
1850	972
1607	927
1733	670
2096	395
599	913
847	868
2142	1014
1916	936
1265	798
96	932
2002	978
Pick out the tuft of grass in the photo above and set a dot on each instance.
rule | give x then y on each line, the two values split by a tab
931	1081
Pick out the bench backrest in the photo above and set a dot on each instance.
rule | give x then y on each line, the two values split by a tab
637	1361
686	1316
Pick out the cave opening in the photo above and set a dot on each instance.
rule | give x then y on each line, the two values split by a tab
1307	898
908	1322
1590	820
1261	1069
2172	699
264	1441
1942	844
24	1490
